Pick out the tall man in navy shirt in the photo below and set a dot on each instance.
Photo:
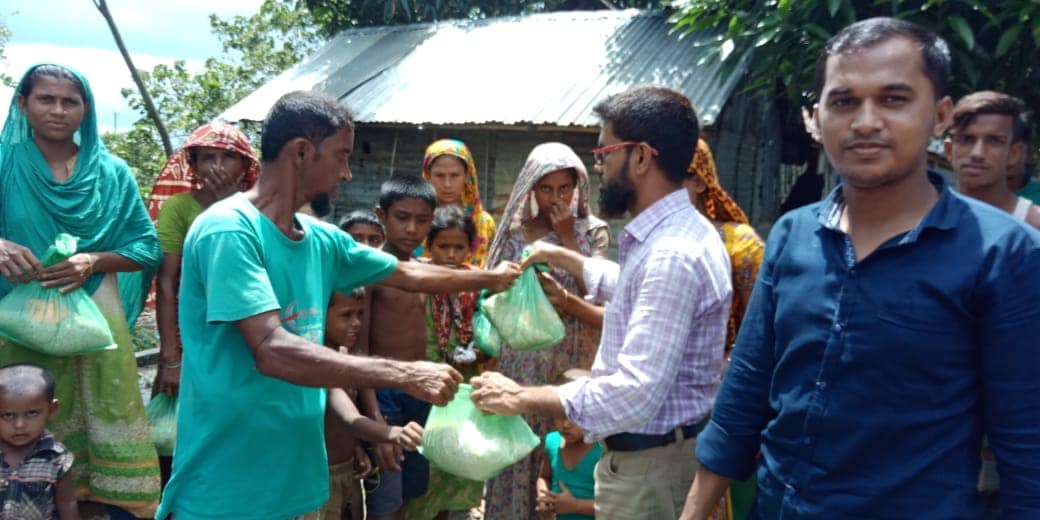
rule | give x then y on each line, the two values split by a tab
892	323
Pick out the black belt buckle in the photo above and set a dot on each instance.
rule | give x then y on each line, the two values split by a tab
642	441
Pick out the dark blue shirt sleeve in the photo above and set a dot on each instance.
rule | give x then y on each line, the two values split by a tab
729	443
1010	358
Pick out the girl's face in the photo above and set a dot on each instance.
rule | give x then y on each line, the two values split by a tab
450	247
448	176
368	234
555	189
569	431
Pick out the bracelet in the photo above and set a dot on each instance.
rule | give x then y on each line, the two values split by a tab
90	265
566	300
170	365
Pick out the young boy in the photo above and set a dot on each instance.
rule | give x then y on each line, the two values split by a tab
398	331
35	482
567	483
449	330
347	460
364	226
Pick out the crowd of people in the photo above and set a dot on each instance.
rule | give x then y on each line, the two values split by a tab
871	359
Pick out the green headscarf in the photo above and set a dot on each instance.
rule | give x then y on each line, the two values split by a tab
100	202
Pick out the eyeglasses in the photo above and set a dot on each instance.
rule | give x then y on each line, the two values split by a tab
600	154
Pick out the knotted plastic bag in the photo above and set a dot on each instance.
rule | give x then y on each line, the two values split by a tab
485	335
52	323
465	442
523	314
161	412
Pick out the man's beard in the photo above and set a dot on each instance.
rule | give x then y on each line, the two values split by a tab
615	198
321	205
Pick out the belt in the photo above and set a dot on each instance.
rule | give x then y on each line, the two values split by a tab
642	441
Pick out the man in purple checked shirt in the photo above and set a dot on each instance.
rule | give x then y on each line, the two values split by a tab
657	370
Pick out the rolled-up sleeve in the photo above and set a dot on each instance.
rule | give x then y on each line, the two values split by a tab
600	276
653	346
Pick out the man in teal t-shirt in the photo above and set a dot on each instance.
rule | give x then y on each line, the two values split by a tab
256	280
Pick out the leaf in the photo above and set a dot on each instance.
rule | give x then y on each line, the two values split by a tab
963	30
833	6
1009	37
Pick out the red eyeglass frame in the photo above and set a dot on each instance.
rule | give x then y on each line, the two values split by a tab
599	154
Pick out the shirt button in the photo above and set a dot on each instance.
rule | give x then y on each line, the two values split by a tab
807	441
790	489
836	327
821	385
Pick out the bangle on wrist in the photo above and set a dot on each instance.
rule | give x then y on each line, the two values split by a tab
170	365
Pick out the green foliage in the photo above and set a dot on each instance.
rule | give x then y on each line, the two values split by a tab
256	48
141	150
335	15
5	36
995	44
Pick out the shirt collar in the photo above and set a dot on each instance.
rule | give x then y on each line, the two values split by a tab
944	215
641	226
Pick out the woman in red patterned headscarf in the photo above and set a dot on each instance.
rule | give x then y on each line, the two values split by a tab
216	161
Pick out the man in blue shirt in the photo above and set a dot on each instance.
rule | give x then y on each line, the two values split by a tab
892	323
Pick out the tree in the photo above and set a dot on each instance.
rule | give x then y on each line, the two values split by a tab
5	36
157	121
335	15
995	45
256	48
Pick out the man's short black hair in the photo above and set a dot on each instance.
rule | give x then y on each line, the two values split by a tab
663	118
23	378
360	216
988	102
406	187
307	114
451	217
869	33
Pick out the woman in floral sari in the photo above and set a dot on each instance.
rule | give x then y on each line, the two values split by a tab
448	165
550	202
56	176
746	250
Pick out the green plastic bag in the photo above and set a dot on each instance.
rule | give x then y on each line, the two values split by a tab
468	443
161	412
52	323
485	335
523	314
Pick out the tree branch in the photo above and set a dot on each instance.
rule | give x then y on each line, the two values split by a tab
149	106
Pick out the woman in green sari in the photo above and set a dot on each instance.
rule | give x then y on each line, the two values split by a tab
56	176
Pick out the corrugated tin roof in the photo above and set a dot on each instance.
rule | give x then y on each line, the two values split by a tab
544	69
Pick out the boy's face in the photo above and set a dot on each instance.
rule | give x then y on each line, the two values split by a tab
24	416
407	222
368	234
569	431
450	247
344	321
982	149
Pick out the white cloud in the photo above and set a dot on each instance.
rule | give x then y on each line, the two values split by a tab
103	68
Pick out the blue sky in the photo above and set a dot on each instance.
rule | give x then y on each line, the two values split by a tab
74	33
